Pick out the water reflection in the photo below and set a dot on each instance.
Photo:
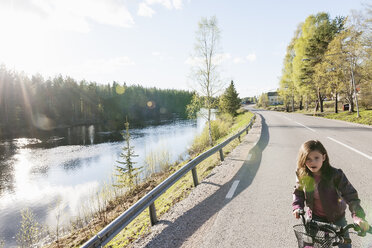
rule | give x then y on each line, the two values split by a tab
69	165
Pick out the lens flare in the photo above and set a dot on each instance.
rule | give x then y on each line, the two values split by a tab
42	122
120	90
151	104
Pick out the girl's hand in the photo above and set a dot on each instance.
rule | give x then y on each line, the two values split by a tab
364	226
296	213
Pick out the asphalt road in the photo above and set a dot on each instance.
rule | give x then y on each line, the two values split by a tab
259	212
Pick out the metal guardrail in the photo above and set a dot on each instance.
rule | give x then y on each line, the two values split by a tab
112	229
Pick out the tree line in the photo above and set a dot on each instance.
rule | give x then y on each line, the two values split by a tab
329	58
33	103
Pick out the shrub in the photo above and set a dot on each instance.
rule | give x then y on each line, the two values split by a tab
29	233
219	129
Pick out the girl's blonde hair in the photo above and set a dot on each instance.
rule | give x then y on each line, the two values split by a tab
305	149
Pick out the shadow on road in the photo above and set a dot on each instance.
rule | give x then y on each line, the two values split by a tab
248	171
176	233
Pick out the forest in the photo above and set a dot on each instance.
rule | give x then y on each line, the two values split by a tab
329	59
28	104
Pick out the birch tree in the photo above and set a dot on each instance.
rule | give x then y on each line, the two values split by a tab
205	69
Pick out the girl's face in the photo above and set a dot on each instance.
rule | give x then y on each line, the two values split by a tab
314	162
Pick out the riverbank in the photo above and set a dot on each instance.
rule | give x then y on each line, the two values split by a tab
81	230
62	175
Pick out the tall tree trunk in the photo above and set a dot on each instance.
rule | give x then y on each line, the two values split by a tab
301	103
351	102
292	103
320	100
316	106
336	103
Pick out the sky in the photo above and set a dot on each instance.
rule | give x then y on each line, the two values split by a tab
151	42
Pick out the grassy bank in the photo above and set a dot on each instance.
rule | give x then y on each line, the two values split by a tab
365	116
222	128
328	107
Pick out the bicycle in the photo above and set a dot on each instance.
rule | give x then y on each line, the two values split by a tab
316	234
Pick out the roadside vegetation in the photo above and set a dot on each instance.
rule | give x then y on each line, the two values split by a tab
365	115
329	59
328	67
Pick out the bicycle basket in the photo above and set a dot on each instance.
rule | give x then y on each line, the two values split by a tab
314	236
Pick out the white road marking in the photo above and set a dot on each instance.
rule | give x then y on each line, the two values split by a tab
300	124
351	148
305	126
232	189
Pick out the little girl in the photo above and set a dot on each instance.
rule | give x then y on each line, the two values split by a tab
325	189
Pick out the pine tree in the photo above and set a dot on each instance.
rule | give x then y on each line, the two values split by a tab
229	101
127	174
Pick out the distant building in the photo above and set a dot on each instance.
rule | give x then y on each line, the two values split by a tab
274	98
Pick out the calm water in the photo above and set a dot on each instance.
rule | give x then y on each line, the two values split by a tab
69	166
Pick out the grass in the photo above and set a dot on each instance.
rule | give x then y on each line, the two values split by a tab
140	226
365	116
328	107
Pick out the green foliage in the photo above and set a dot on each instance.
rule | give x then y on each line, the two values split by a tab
127	174
249	100
229	101
263	101
219	128
29	232
366	95
322	58
28	104
194	106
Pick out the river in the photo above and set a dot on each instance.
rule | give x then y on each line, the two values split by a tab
68	166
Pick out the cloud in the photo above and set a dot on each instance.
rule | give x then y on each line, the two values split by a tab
238	60
177	4
251	57
169	4
145	10
165	3
75	15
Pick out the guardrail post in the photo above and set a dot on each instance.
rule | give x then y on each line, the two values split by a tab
152	212
195	176
247	130
221	155
239	138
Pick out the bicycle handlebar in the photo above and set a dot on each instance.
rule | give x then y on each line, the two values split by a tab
335	227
